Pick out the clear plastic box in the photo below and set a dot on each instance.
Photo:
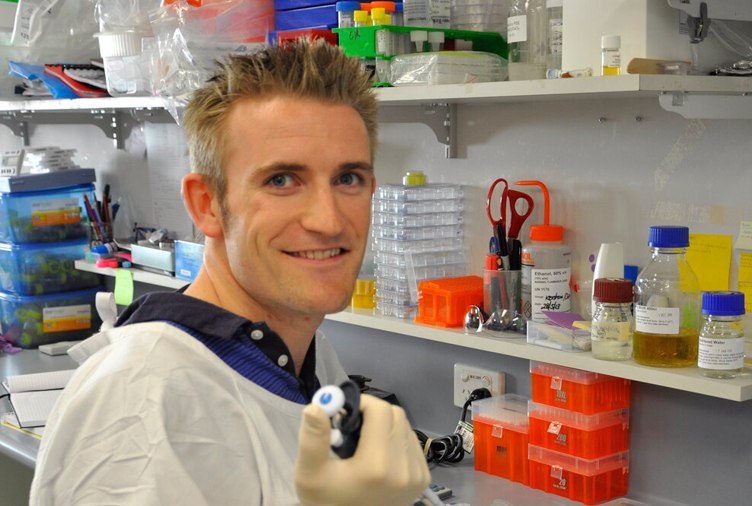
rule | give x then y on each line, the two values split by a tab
577	390
393	285
418	233
392	246
434	191
420	259
416	220
558	338
417	207
500	428
189	257
40	269
396	311
447	67
28	322
584	436
44	216
581	480
394	298
421	273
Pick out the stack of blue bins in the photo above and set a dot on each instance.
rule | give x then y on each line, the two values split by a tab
43	230
303	15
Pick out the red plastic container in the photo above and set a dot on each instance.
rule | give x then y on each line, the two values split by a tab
585	436
585	481
500	427
576	390
444	302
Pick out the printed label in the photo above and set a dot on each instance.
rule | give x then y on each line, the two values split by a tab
517	28
55	212
721	354
59	319
611	59
465	430
549	291
657	320
555	30
610	331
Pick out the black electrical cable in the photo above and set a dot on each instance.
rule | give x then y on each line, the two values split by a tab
449	448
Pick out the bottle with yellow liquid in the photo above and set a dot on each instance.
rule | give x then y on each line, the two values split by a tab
667	303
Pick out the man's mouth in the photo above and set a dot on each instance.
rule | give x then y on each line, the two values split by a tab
318	254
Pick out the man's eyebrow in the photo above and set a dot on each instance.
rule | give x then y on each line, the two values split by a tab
357	166
276	168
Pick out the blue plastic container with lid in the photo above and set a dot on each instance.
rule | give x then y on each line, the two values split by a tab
44	216
28	322
41	269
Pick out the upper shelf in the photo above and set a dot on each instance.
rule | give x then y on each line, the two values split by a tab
687	378
600	87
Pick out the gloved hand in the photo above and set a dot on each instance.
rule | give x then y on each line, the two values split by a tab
387	469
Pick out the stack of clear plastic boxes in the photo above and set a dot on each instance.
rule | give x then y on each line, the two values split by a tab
417	234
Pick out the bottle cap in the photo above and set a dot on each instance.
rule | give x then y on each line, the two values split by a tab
360	16
668	237
610	41
365	7
615	290
414	179
544	231
387	6
347	6
398	7
723	303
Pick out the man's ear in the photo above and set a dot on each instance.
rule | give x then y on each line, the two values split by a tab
202	204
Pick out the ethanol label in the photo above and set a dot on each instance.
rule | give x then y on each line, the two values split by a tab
55	212
721	354
549	291
610	331
657	320
59	319
517	28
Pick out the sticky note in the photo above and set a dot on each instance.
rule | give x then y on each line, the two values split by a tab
710	258
746	289
745	267
123	287
744	241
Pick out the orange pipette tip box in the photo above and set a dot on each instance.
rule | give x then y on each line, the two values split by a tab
576	390
444	302
500	430
585	481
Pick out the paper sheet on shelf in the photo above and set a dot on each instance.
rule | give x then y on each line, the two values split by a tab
710	259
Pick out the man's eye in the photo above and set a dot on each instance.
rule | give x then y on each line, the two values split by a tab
350	179
281	180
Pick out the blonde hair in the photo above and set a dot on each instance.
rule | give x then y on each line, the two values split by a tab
300	69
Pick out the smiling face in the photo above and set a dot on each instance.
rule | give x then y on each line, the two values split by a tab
299	186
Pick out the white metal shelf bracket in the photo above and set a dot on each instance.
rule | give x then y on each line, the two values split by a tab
717	9
441	118
108	121
705	106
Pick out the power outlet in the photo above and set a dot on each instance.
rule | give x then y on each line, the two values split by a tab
468	377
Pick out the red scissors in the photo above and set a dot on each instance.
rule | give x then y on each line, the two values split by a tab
508	237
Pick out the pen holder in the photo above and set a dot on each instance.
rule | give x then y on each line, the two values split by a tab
501	299
98	233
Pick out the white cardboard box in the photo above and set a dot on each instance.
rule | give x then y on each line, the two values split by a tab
648	29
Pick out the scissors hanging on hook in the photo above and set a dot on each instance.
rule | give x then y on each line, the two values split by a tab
507	240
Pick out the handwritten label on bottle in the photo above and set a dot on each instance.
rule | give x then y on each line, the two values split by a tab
610	331
657	320
550	291
517	28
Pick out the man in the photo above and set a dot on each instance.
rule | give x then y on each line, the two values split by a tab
197	398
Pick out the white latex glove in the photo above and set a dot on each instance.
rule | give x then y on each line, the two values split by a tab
387	469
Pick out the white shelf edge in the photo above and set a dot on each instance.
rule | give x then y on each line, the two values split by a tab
687	378
139	275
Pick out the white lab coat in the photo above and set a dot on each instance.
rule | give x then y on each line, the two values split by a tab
153	417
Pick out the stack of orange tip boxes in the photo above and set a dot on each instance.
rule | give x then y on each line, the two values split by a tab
444	302
500	429
579	433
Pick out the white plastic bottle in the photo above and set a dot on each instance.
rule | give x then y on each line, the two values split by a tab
546	267
527	35
417	13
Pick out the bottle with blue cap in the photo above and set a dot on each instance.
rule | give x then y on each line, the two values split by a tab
721	353
667	303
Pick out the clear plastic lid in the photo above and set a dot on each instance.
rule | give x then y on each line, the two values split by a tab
578	465
578	420
568	373
508	410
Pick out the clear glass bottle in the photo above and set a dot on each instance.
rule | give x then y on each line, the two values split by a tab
721	353
667	303
613	324
527	35
555	12
611	55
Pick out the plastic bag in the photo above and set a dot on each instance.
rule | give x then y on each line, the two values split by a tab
189	40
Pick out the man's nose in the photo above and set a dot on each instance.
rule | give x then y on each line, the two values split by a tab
324	214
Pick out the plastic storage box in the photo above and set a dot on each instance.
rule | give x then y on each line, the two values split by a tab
444	302
558	338
189	256
576	390
500	427
28	322
44	216
584	436
41	269
585	481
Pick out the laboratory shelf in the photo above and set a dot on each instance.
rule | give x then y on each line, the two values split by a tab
139	275
687	378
